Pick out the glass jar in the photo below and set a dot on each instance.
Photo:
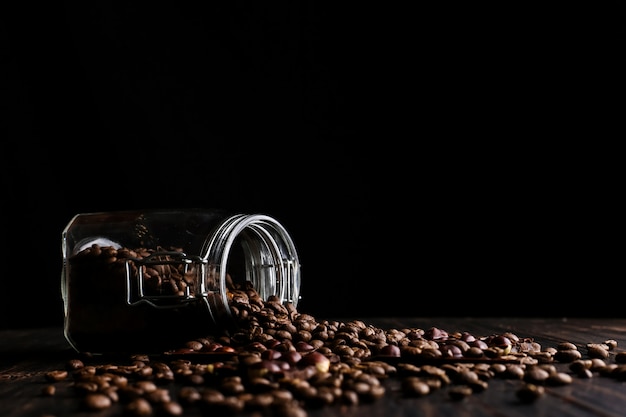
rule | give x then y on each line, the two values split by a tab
148	280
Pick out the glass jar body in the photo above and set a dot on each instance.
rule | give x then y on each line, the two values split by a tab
149	280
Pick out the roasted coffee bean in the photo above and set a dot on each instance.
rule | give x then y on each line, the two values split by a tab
498	368
459	392
232	386
620	357
618	372
139	407
111	392
211	396
414	387
542	356
536	375
48	390
608	370
567	355
74	364
514	371
290	410
579	365
85	387
597	364
97	401
559	378
189	395
171	408
478	385
595	350
529	392
349	397
566	346
55	376
158	396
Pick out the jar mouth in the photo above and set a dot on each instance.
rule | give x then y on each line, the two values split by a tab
271	261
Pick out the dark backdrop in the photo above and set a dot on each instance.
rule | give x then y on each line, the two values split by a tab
437	160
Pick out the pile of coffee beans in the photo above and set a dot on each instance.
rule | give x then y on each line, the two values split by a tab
281	362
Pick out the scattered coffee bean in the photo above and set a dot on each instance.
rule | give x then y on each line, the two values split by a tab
530	392
459	392
56	375
48	390
620	357
97	401
139	407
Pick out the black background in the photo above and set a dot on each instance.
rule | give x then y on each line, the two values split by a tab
427	160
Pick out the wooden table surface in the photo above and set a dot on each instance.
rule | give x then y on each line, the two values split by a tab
27	354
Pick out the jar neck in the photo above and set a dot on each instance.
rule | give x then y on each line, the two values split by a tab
266	253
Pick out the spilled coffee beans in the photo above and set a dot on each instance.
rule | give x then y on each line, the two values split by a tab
282	362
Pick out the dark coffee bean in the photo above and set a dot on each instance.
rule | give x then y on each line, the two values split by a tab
514	371
459	392
139	407
390	350
97	401
158	396
567	355
566	346
211	396
349	397
579	365
478	385
536	375
414	387
48	390
559	378
595	350
320	361
171	408
290	410
189	395
529	392
55	376
74	364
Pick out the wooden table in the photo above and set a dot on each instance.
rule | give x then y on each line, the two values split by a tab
27	354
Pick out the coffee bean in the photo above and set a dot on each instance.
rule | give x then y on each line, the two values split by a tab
74	364
139	407
171	408
530	392
559	378
54	376
415	387
48	390
97	401
567	355
595	350
459	392
536	375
